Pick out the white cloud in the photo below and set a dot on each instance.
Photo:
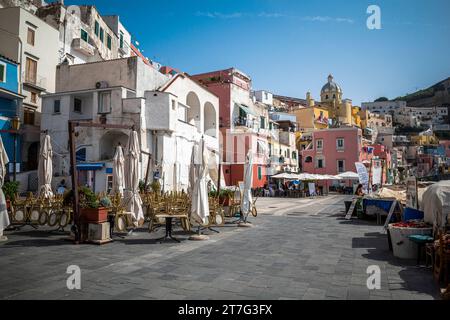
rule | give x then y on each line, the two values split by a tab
328	19
235	15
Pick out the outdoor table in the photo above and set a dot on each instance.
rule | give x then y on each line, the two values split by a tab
169	218
421	240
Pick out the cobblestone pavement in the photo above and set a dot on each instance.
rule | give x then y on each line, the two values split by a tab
296	249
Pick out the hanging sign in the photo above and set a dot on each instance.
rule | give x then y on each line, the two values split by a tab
363	175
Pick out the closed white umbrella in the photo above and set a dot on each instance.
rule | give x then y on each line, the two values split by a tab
248	182
199	172
45	169
133	200
118	171
4	219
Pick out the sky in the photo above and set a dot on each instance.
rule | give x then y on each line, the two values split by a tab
289	47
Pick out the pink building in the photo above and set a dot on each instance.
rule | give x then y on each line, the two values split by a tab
333	151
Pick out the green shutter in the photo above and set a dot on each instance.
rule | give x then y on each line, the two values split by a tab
102	35
84	35
259	173
2	72
108	41
97	27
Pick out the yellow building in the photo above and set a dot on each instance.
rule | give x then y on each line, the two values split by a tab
331	96
356	117
311	118
424	140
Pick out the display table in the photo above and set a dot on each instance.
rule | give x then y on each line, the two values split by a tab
421	240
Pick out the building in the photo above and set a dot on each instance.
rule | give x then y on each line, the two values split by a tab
383	107
421	116
283	152
34	44
244	124
311	118
84	35
288	103
10	105
169	114
333	151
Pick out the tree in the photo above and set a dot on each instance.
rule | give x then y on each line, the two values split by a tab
381	99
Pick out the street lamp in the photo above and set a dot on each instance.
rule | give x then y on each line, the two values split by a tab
15	126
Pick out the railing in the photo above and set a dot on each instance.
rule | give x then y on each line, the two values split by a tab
33	79
81	45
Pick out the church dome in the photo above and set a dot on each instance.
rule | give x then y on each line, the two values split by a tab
331	86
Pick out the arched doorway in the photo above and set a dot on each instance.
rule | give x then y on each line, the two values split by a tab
108	143
193	115
33	156
210	125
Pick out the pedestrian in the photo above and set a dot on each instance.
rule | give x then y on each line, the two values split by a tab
359	190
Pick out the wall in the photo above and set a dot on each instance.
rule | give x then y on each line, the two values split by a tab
12	82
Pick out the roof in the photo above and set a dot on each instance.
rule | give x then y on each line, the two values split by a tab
8	59
166	86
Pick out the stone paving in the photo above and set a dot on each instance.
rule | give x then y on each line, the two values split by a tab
296	249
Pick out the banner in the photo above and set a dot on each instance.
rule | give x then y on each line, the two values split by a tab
376	174
312	188
411	193
363	175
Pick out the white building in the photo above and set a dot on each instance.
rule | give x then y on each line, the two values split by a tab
383	107
86	36
169	116
263	97
34	44
420	116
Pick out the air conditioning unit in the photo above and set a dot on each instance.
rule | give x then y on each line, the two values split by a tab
101	85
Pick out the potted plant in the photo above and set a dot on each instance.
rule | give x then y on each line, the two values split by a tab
156	187
225	196
93	210
10	189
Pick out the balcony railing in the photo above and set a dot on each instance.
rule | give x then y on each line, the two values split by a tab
34	80
82	46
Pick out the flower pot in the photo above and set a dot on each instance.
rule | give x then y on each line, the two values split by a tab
91	215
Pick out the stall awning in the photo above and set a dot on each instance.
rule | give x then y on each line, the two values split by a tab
90	166
247	110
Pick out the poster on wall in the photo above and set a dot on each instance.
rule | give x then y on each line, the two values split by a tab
363	175
312	188
411	193
376	173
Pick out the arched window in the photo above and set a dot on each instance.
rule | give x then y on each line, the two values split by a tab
193	116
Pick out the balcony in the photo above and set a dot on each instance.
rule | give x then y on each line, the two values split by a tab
35	81
83	47
124	51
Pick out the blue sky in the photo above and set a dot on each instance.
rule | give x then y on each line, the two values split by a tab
290	46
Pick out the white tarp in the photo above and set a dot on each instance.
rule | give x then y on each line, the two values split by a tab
45	169
436	204
4	219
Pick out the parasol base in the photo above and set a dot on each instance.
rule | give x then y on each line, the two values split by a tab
198	237
3	238
245	225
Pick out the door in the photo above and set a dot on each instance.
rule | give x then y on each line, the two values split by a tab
31	70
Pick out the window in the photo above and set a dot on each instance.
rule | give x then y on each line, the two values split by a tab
57	106
77	105
259	173
33	97
28	117
326	97
294	155
340	166
31	70
263	123
320	163
319	144
30	36
96	28
109	183
108	41
266	96
270	125
340	143
102	35
121	40
2	72
104	105
308	159
84	35
173	105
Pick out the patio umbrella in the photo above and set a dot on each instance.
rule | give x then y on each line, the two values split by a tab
246	203
284	175
118	170
199	172
306	176
349	175
4	219
133	200
45	168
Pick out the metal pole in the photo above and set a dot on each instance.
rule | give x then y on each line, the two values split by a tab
14	157
74	173
148	169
